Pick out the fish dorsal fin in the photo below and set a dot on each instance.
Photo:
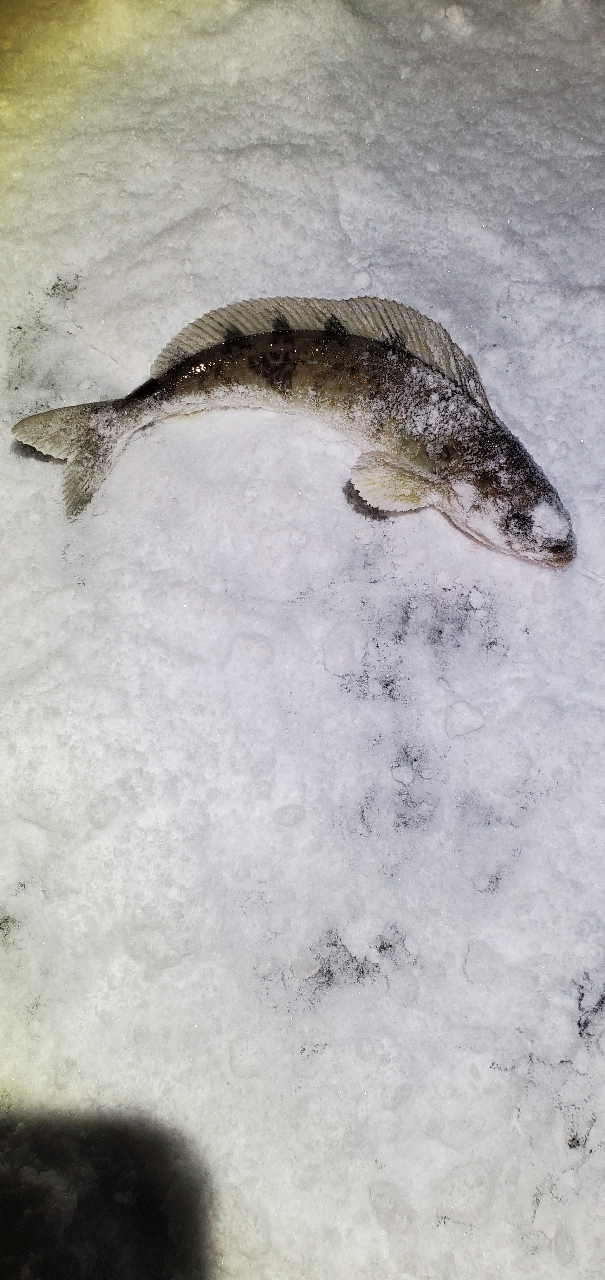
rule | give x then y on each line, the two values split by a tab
375	318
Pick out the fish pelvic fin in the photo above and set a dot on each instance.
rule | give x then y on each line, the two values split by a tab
87	437
383	483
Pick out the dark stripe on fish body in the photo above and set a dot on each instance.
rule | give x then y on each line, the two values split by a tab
277	364
335	328
243	358
352	367
280	325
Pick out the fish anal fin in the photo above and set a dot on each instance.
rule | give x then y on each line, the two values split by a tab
383	483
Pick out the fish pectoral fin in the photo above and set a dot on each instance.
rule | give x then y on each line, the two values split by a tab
383	483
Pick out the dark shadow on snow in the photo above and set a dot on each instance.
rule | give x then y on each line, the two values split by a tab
90	1198
362	507
28	451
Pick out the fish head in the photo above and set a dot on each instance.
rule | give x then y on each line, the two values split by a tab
505	501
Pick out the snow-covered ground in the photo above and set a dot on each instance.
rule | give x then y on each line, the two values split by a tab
301	813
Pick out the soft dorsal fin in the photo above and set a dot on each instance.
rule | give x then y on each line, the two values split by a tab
374	318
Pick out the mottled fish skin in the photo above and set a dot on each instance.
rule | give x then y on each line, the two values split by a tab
426	441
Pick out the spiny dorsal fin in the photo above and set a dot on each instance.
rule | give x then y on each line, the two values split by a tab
365	317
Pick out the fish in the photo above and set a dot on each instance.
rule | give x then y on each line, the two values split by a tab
391	380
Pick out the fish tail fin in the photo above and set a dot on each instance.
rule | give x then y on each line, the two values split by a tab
86	436
54	433
84	474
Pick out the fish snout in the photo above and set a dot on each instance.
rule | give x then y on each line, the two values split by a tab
542	532
552	534
563	552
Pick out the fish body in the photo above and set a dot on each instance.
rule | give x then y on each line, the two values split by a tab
390	380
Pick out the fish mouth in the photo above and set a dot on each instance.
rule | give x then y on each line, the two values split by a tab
562	552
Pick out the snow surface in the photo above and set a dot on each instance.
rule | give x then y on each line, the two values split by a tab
301	812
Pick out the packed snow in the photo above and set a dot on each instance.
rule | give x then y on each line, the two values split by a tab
301	812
